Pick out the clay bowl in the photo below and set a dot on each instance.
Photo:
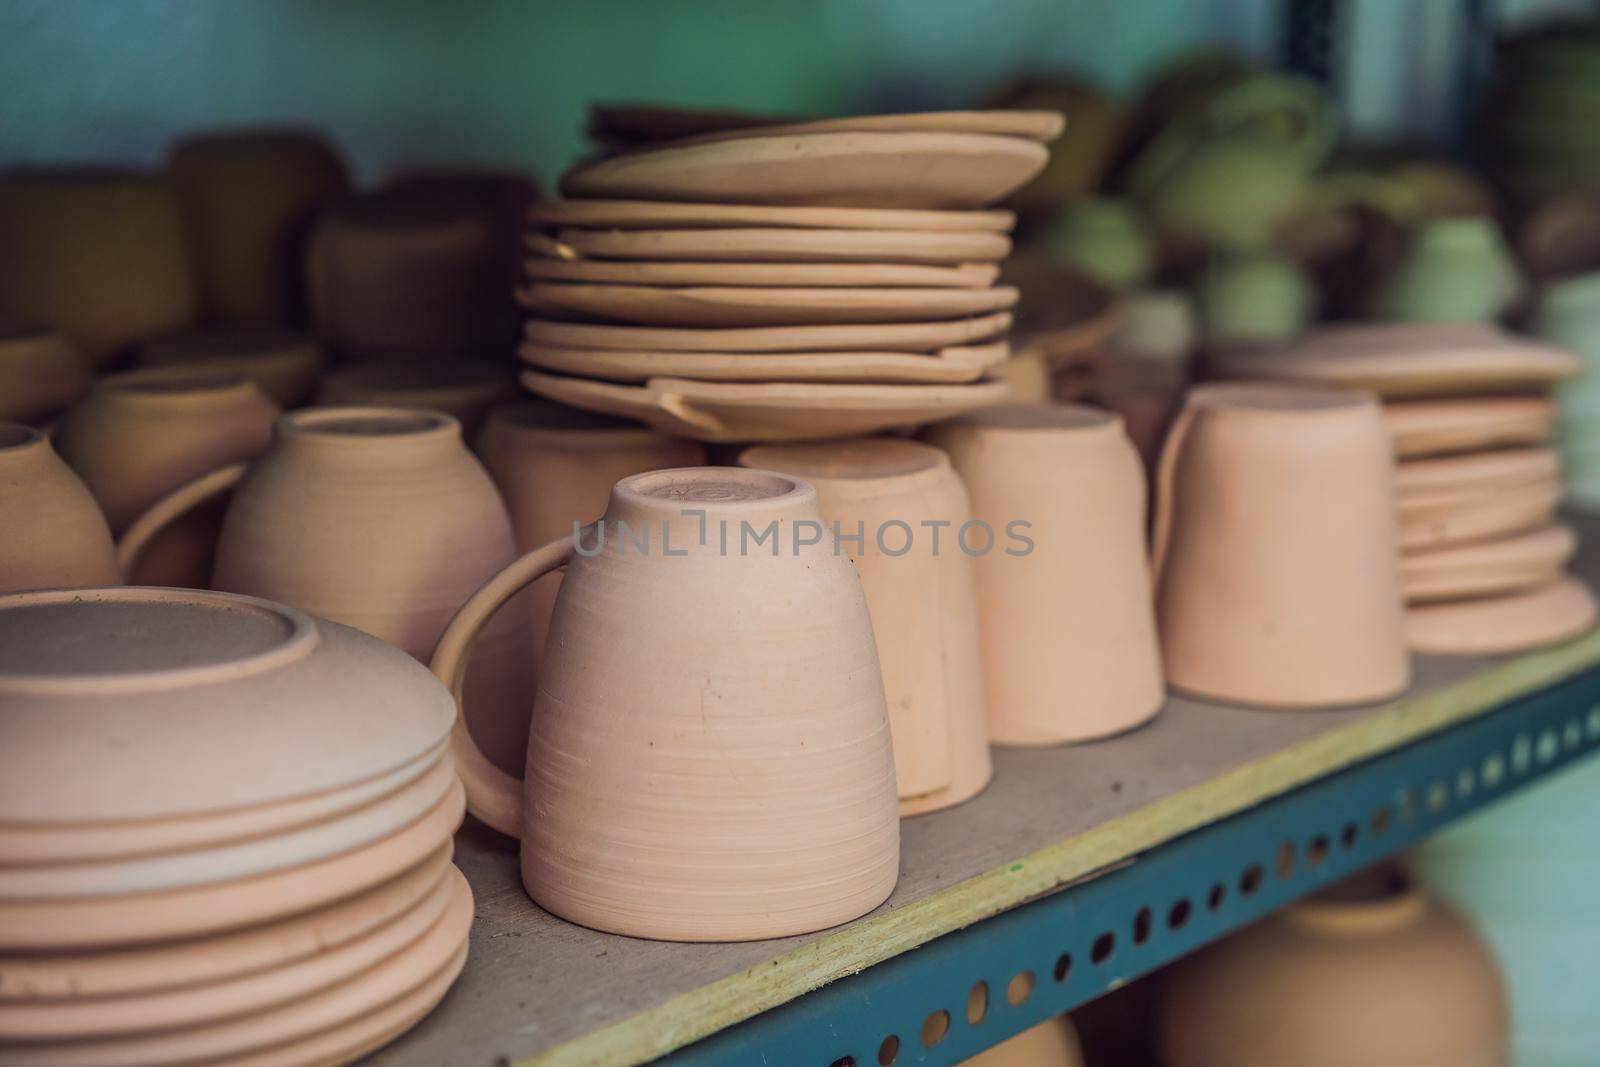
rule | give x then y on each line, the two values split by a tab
1504	624
778	245
41	374
1440	427
900	337
1512	564
745	306
650	215
466	392
284	365
762	275
960	364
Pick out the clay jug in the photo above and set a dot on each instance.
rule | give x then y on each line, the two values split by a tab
136	436
709	758
555	467
1276	548
1454	270
1070	651
40	375
380	519
922	596
52	534
1374	971
284	365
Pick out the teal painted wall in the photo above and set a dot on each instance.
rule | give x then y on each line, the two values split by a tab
505	82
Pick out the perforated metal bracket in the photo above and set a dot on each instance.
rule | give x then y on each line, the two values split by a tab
972	989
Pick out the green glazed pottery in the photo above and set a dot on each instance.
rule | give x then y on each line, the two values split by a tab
1456	269
1105	238
1254	297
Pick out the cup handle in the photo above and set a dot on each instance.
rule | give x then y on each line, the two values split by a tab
1166	473
493	796
137	537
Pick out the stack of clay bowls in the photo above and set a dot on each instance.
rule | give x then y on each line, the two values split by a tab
1483	553
227	837
784	281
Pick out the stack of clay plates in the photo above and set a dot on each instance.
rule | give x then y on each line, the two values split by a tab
226	835
1483	553
781	281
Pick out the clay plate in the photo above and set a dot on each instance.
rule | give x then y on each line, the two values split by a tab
777	411
743	306
896	337
1501	469
773	245
872	169
651	214
1504	624
760	275
1522	561
1437	427
945	365
1456	518
1042	126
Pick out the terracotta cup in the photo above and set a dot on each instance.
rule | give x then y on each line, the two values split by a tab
922	595
1070	651
1374	971
378	518
52	534
139	435
555	467
1276	548
709	758
41	373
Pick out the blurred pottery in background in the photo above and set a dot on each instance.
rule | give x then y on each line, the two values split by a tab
1027	377
555	467
922	598
41	373
377	518
1052	1043
52	534
726	780
1070	651
1080	161
1539	112
1270	498
1104	238
283	365
1561	237
1372	971
100	256
1254	298
248	199
1148	367
465	392
138	435
1453	270
1064	314
1567	314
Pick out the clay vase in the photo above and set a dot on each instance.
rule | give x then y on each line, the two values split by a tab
99	256
1254	297
41	373
248	199
710	757
1276	548
555	467
1454	270
1374	971
52	534
922	596
464	392
138	435
283	365
1052	1043
1105	239
1070	651
380	519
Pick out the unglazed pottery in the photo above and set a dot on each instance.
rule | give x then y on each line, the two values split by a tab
751	306
137	436
779	245
1507	468
99	256
1442	427
1560	238
1070	651
767	411
965	363
1433	520
1567	313
1455	270
465	392
723	780
1052	1043
651	214
855	169
901	337
1067	315
1037	125
1496	625
555	467
794	275
1269	499
52	534
922	597
1487	568
1254	297
1105	239
1374	971
1027	377
41	373
378	518
283	365
248	199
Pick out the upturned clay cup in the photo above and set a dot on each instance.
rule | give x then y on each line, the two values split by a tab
52	534
1276	548
710	757
898	496
1069	643
378	518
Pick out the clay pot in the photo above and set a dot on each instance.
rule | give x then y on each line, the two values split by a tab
1069	643
40	375
922	596
248	199
52	534
1271	499
1455	270
99	256
283	365
718	776
1374	971
137	436
555	467
1254	297
378	518
1105	239
464	392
